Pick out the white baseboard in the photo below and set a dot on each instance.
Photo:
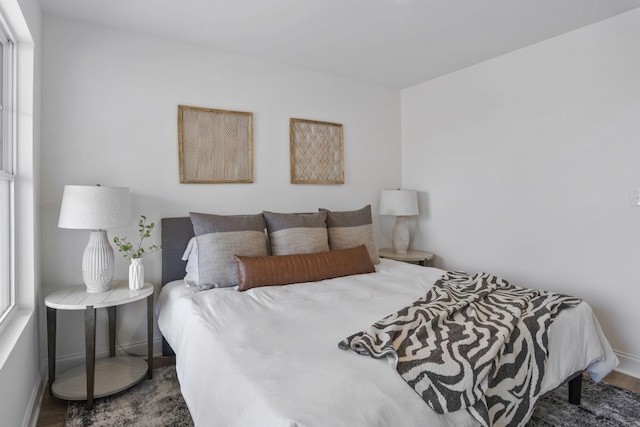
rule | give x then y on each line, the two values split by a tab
629	364
33	408
136	349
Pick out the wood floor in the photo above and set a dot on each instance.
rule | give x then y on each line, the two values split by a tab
623	381
53	410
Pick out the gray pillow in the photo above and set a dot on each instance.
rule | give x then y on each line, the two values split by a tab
350	229
219	238
297	233
191	256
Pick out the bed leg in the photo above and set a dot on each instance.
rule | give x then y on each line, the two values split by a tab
575	389
166	348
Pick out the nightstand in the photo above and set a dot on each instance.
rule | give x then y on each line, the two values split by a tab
105	376
412	256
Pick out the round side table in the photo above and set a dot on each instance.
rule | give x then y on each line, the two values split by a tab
105	376
412	256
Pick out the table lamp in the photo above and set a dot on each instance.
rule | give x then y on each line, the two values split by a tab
96	208
400	203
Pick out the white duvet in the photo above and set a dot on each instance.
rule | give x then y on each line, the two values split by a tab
269	356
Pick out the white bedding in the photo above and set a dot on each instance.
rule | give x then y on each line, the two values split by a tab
269	356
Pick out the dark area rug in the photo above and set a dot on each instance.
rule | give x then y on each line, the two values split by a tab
602	405
150	403
158	402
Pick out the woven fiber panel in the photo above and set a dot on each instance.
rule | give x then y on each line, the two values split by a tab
316	152
216	146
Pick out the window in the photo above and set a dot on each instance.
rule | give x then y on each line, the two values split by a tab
7	178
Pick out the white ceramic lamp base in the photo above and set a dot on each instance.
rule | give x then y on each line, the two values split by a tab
400	236
98	262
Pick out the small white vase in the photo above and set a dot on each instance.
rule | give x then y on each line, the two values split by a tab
136	274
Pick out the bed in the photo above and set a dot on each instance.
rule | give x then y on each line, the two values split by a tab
269	356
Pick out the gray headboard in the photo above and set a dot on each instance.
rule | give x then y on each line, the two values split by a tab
176	233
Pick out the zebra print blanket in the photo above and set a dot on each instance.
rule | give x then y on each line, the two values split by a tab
472	342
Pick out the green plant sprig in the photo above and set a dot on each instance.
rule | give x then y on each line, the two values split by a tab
127	249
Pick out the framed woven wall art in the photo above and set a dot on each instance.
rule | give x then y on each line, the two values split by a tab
317	152
215	146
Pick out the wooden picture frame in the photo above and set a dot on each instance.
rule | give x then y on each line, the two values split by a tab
215	146
317	152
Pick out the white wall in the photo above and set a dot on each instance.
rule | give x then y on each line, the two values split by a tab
20	380
110	116
525	163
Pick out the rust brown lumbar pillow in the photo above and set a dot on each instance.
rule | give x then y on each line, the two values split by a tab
287	269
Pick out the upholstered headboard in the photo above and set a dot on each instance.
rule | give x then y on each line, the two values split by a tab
176	233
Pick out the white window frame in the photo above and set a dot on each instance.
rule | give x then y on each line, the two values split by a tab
8	167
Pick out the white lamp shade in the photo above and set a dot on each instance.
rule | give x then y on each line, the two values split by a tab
95	207
399	202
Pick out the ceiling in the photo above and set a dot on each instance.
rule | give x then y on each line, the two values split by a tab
392	43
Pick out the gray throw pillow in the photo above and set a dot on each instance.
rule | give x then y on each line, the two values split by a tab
350	229
297	233
219	238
